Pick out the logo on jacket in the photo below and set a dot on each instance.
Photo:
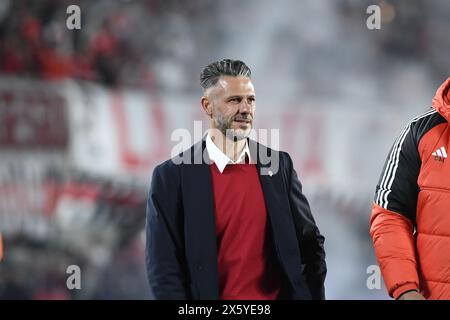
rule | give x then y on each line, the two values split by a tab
440	154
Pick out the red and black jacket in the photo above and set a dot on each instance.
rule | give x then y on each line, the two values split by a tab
410	221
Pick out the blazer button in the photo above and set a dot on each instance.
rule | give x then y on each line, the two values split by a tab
200	267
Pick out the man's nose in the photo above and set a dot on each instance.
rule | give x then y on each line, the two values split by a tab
245	107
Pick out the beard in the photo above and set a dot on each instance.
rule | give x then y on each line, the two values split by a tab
224	125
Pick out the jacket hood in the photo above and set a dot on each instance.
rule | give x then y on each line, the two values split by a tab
441	101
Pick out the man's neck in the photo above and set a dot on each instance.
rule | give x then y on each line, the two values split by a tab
230	148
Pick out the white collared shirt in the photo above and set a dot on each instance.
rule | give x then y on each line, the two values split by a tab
221	159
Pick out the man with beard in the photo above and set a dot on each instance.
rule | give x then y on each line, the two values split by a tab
237	225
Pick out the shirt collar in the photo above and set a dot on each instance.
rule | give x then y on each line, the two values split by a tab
221	159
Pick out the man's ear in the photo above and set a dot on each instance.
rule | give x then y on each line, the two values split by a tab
206	105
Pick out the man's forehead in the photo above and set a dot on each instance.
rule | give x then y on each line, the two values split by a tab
235	84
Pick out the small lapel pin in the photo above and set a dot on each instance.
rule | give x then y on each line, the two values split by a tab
270	173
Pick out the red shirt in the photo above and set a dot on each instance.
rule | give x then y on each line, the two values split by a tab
245	250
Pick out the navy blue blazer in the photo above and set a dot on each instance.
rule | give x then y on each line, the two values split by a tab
181	251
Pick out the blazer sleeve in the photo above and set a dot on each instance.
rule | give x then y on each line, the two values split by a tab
165	258
393	216
310	241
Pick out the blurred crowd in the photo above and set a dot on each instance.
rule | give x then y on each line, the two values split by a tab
120	43
53	217
155	44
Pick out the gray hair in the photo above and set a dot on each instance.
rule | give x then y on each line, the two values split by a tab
226	67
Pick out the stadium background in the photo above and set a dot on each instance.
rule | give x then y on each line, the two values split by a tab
86	114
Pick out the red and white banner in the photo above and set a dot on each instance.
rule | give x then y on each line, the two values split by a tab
32	115
123	134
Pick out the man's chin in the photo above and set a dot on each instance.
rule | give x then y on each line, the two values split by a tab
237	134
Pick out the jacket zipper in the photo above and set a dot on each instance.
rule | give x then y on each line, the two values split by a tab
435	189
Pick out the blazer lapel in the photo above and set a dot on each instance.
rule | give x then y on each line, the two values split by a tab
200	226
278	211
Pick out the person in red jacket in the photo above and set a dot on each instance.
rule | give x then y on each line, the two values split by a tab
410	221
